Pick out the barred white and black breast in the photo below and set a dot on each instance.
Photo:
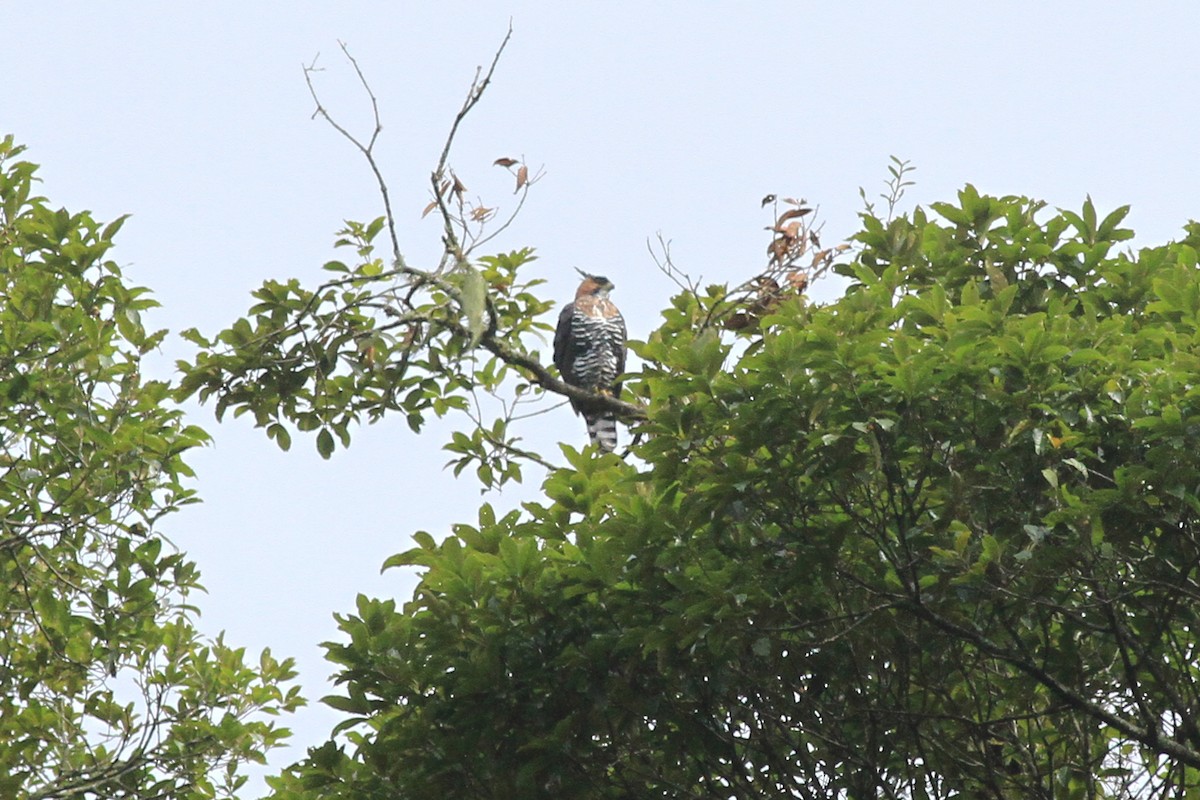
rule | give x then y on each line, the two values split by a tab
589	351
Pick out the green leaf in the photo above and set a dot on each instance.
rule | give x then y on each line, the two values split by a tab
111	229
281	436
474	302
350	705
325	443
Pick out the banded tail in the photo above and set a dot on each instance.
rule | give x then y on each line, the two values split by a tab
602	430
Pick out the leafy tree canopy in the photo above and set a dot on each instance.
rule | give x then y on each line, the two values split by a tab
106	688
936	539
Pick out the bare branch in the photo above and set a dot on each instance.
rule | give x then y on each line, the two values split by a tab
668	268
454	253
368	149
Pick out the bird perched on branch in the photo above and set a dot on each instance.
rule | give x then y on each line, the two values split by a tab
589	351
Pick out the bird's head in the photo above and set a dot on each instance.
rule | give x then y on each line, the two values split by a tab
596	285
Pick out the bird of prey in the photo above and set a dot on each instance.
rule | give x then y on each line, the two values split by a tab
589	351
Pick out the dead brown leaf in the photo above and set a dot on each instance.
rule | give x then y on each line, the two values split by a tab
794	213
522	178
798	281
428	208
778	249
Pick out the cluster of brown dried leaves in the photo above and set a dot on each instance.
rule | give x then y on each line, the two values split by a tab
476	212
786	275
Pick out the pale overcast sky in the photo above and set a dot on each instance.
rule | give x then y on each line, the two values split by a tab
673	117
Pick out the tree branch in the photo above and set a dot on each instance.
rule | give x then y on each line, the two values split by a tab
368	149
1149	738
474	95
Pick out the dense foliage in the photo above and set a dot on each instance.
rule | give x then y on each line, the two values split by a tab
935	539
106	688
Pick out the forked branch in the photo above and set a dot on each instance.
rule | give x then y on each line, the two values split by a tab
368	148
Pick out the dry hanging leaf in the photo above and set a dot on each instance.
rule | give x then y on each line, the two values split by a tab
481	213
792	214
504	162
459	189
778	250
798	281
428	208
522	178
790	231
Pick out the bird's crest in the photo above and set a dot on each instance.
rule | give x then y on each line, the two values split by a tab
592	283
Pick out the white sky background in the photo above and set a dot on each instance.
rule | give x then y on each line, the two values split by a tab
647	117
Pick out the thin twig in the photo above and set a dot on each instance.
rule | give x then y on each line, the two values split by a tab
368	149
668	268
477	243
474	95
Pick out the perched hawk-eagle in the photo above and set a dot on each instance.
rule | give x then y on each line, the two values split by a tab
589	351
